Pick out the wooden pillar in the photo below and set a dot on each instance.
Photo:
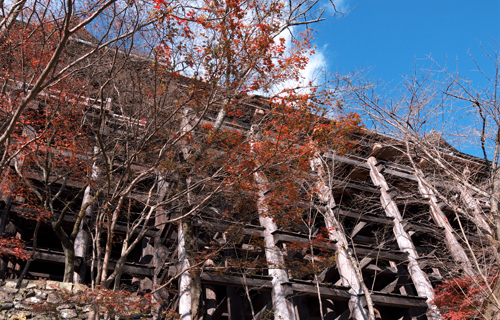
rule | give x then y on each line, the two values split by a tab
185	301
456	250
283	308
477	216
419	278
301	308
184	278
345	264
234	306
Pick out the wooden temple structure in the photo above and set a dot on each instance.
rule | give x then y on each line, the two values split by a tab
386	228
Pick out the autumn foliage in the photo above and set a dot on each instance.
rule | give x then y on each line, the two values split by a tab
214	61
463	298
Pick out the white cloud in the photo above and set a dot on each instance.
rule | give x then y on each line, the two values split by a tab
310	74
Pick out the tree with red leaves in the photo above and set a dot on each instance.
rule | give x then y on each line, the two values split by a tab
117	149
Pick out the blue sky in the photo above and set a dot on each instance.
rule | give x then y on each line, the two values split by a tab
393	38
390	36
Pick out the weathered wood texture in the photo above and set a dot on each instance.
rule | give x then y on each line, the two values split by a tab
420	280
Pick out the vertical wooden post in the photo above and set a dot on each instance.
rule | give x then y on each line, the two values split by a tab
184	279
301	308
456	250
283	309
419	278
210	301
234	306
345	265
160	253
185	283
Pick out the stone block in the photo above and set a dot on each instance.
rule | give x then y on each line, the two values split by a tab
52	285
10	284
66	306
10	290
79	287
66	285
36	284
52	298
20	305
68	314
6	305
34	300
29	293
41	294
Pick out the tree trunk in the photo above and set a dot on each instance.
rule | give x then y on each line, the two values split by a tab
11	17
69	263
4	217
28	262
82	238
419	278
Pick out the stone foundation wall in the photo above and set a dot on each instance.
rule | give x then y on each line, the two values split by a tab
22	303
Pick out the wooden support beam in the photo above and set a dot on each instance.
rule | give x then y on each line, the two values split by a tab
310	289
379	298
392	286
328	309
351	184
327	274
457	251
58	257
220	309
263	283
398	301
386	271
350	161
216	225
359	226
381	254
281	236
360	216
